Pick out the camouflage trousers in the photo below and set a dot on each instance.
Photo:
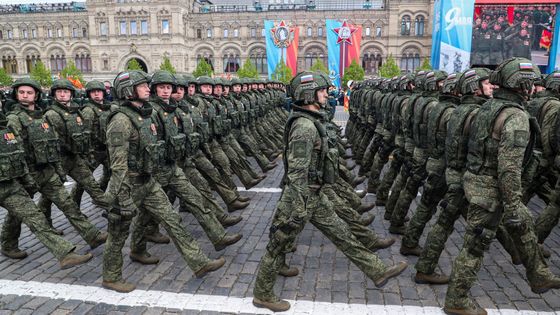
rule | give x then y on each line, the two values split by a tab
152	203
399	183
51	187
410	191
228	193
173	179
221	162
261	145
100	158
379	160
382	192
250	146
364	142
77	168
321	214
21	208
202	185
434	190
482	226
352	218
370	153
548	218
347	193
238	162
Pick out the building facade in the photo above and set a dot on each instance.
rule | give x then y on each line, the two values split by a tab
102	36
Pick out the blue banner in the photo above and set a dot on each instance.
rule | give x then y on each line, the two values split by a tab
453	23
272	52
333	52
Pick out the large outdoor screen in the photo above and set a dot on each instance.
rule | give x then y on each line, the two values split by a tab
517	30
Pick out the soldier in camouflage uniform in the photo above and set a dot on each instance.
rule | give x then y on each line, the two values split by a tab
135	152
74	132
42	153
16	186
421	112
499	137
309	163
475	88
95	111
434	188
222	185
545	107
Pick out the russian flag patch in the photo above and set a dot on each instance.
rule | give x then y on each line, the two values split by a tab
307	78
525	65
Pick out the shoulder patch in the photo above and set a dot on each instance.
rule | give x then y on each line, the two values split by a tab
521	138
300	148
117	139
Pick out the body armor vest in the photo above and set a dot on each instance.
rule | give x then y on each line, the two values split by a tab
12	156
187	127
420	121
538	108
482	157
147	154
201	125
40	141
101	113
175	141
387	107
437	128
323	168
408	114
77	137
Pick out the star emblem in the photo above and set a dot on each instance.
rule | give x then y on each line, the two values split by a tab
345	33
282	34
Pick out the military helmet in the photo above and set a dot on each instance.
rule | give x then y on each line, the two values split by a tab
204	80
515	73
181	81
432	79
469	81
126	81
26	82
552	81
162	77
405	80
63	84
236	81
450	83
218	81
95	85
304	85
226	82
419	79
540	80
189	78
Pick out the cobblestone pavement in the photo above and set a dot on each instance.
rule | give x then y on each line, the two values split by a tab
36	285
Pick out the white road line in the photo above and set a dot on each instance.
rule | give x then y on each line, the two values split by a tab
263	189
213	303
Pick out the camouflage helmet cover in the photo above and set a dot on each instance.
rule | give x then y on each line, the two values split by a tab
304	85
450	83
552	81
432	79
126	81
469	81
516	73
26	82
63	84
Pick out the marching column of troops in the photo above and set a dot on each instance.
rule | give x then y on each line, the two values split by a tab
480	144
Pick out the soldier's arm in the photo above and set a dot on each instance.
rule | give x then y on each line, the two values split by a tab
513	142
15	124
300	147
118	135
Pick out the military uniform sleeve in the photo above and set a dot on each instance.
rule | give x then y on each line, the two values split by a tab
118	135
300	148
513	142
15	124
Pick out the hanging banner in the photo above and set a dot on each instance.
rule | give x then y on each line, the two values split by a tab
281	44
452	34
343	45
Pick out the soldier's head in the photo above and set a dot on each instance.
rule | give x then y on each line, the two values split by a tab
205	84
132	85
516	74
449	85
501	19
95	91
538	85
182	84
497	27
310	88
63	91
218	88
191	84
478	21
434	80
163	84
475	81
552	82
406	82
524	24
420	79
484	25
227	87
523	32
236	85
26	91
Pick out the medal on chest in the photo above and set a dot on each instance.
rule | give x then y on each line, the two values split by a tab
45	127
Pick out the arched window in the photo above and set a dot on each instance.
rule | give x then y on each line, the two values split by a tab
309	32
371	61
31	60
378	31
83	62
207	56
58	62
231	63
258	58
314	54
9	62
410	60
419	26
405	25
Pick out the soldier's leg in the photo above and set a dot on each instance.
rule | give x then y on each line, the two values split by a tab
194	204
548	218
410	190
222	163
434	190
324	218
78	190
82	174
451	208
118	229
346	191
481	230
54	190
155	202
379	161
237	165
396	188
252	149
369	155
382	193
215	179
11	230
20	205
